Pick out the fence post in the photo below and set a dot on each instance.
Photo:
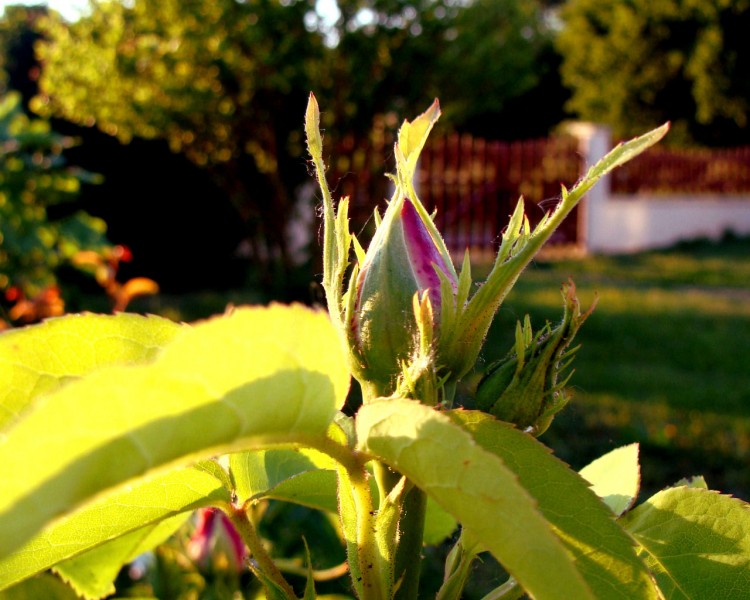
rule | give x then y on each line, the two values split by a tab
594	141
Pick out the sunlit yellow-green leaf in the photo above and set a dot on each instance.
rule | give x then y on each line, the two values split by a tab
696	543
158	498
258	471
604	554
93	573
256	377
615	477
39	359
45	586
303	476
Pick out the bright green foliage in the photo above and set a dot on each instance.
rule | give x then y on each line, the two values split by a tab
187	73
472	484
604	554
112	426
696	542
45	586
217	79
635	63
92	574
33	177
615	478
38	360
178	491
239	381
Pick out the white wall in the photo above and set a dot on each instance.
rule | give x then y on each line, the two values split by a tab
618	223
632	223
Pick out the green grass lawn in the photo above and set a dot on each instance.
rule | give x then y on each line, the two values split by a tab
664	359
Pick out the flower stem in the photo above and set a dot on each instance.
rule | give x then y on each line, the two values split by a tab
370	572
265	565
409	553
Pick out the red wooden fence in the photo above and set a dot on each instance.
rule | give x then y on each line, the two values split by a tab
474	184
690	171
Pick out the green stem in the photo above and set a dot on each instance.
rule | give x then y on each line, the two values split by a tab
368	556
409	553
241	522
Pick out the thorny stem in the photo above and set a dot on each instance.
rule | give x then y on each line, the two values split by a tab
352	468
408	556
369	556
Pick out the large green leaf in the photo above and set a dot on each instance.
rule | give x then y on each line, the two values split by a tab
696	542
477	488
158	498
254	378
615	477
39	359
604	553
92	574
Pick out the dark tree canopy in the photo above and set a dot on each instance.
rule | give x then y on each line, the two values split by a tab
484	59
633	64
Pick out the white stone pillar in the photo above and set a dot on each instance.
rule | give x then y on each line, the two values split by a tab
594	142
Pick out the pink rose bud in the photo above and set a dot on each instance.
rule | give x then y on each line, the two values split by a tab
403	259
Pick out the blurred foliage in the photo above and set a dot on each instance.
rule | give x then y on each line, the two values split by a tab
34	184
484	59
219	80
17	37
634	64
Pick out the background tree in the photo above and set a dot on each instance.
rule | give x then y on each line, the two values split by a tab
635	63
220	81
484	59
18	65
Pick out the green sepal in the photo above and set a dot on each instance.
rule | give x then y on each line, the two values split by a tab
458	565
310	583
413	135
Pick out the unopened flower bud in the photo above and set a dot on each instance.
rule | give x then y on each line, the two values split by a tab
403	259
215	543
527	386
